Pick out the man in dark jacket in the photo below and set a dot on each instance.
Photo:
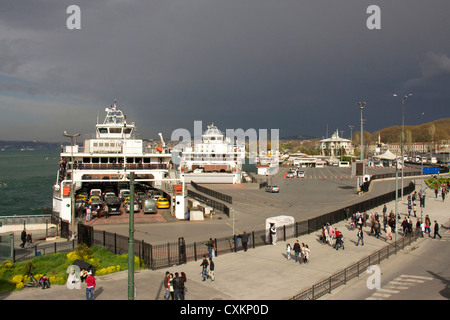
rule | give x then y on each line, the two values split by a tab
296	250
178	287
23	237
204	266
436	230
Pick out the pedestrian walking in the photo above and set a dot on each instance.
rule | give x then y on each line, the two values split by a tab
166	286
306	254
90	286
178	285
428	225
436	230
360	236
244	241
211	246
288	251
171	290
339	239
388	232
204	266
211	270
184	278
296	250
23	237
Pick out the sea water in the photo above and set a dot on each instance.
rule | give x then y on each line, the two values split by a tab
26	181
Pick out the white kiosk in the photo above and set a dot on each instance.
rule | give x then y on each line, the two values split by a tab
280	222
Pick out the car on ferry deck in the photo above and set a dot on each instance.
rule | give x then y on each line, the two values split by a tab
95	200
162	203
149	205
112	202
127	206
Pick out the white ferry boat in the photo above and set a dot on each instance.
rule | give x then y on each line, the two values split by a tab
105	162
215	160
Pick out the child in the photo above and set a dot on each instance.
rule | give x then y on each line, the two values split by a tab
288	251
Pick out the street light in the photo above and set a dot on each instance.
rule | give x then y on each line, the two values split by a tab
403	131
351	127
72	207
361	106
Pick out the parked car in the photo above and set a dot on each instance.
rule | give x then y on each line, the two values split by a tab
272	189
162	203
113	203
301	174
127	205
149	205
157	194
95	201
290	174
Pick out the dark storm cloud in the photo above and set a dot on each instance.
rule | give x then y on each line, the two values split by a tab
293	65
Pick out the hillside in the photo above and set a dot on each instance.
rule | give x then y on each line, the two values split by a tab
437	130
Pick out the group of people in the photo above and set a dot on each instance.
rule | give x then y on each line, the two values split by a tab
332	236
441	188
388	221
174	286
301	252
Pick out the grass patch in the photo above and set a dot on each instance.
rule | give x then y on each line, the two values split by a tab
432	183
14	276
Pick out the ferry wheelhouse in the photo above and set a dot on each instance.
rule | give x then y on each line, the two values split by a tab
106	160
215	160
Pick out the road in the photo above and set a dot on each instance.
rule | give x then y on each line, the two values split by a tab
321	191
421	272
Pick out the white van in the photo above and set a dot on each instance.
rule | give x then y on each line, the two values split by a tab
344	164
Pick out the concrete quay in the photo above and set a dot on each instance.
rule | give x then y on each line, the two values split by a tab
263	273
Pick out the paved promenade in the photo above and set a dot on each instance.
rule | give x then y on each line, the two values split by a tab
263	273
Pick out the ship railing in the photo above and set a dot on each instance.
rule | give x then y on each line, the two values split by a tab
118	166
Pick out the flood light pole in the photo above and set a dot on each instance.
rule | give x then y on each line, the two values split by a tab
403	131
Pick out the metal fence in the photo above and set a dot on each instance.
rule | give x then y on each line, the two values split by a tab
339	278
215	194
167	254
33	250
210	202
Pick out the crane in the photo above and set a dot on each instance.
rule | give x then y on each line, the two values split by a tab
163	144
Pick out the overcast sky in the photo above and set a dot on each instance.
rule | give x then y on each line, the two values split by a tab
292	65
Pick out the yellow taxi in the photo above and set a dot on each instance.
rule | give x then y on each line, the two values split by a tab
80	197
162	203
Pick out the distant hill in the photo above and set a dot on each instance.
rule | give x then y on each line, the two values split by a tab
437	130
29	145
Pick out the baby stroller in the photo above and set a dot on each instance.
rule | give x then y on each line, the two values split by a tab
352	225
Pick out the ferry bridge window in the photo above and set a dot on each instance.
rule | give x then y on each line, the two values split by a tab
128	130
102	130
115	130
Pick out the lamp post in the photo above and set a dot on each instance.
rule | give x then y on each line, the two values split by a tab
361	107
403	131
72	207
351	127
